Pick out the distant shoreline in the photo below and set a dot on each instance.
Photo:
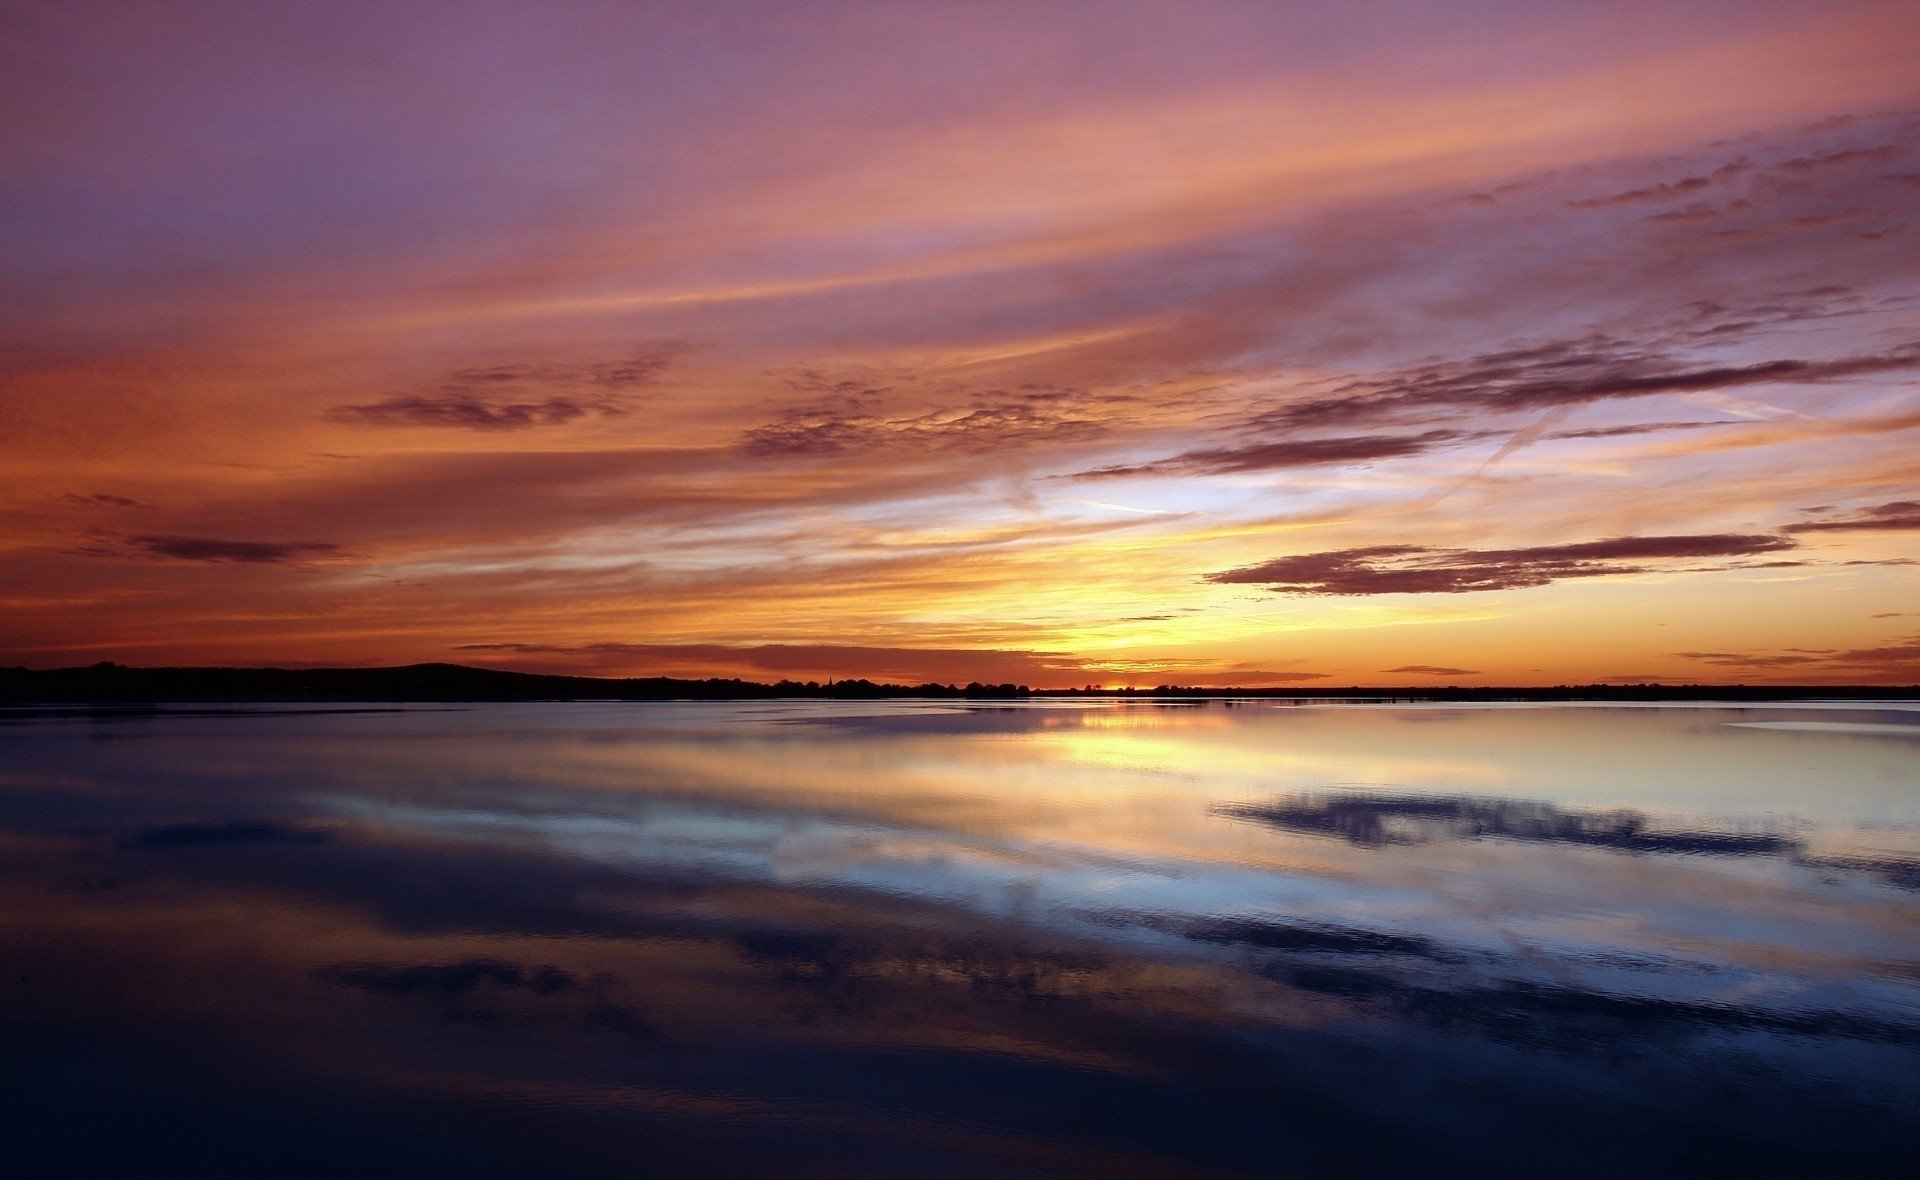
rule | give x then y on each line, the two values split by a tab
114	684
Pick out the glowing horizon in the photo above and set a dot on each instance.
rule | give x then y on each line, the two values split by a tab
1057	344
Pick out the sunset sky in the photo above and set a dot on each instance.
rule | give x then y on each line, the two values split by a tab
1060	343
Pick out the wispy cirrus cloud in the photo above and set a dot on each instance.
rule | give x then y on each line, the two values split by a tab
1791	172
1289	453
1629	431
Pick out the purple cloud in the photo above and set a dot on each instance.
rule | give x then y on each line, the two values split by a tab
1413	569
248	552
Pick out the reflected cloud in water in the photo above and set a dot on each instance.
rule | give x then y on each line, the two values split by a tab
1378	819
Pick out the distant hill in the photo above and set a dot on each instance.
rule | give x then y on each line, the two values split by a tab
117	684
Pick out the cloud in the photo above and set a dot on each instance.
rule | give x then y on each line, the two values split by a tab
463	410
1412	569
1898	661
1019	419
251	552
1657	192
1894	516
1631	430
917	665
1561	374
1902	656
1750	660
1432	670
628	372
805	661
1245	678
1270	456
495	397
1844	157
103	500
1699	211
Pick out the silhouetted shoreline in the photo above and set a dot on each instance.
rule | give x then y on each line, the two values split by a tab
118	684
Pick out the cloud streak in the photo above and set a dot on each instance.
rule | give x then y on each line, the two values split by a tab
1894	516
483	398
1282	455
1411	569
209	549
1560	375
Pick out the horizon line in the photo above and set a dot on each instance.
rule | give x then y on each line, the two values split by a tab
959	687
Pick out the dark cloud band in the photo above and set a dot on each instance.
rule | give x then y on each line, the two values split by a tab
1413	569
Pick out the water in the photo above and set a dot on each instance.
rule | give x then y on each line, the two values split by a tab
935	939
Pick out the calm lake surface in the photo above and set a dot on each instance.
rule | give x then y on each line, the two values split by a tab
938	939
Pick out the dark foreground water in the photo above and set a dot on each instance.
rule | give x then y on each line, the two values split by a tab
930	939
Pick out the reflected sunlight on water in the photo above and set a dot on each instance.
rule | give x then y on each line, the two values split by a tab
1055	937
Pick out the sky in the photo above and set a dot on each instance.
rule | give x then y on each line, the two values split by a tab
1057	343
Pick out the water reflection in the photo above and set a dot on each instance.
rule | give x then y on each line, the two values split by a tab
894	937
1376	819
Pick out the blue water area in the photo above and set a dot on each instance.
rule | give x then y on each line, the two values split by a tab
929	938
